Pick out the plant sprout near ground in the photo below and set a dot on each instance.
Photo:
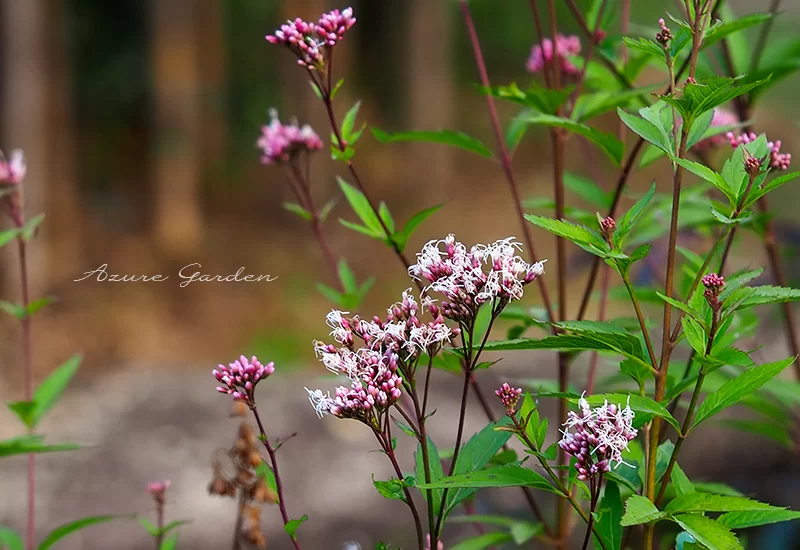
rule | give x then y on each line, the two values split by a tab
611	479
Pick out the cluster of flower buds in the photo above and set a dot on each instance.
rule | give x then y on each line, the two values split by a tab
158	490
607	227
508	397
722	117
282	142
752	165
308	41
565	46
714	284
471	278
777	160
599	437
664	35
240	378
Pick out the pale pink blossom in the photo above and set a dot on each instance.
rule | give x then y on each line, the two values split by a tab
542	54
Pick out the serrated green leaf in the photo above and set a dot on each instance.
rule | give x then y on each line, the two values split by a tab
708	532
60	532
437	473
695	335
609	517
538	98
709	175
628	221
503	476
446	137
644	45
483	541
737	388
743	520
719	32
646	130
702	502
570	231
773	184
609	144
681	483
760	295
638	510
587	190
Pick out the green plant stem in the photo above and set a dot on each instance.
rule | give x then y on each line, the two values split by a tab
690	412
640	317
274	462
502	151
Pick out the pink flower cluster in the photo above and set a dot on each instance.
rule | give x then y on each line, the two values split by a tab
470	278
777	160
307	40
542	54
12	171
239	379
158	490
714	284
600	436
508	397
281	142
721	117
374	354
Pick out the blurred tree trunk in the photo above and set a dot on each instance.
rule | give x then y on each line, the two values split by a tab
25	84
212	60
66	224
175	60
430	83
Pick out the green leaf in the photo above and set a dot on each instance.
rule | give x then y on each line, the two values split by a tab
639	509
148	526
36	305
587	190
588	106
695	335
32	227
639	403
60	532
392	489
292	525
476	453
766	428
538	98
708	532
264	471
773	184
349	122
363	210
386	216
347	277
504	476
708	93
521	531
680	481
8	235
297	209
436	472
719	32
26	444
576	233
609	517
447	137
709	175
14	310
737	388
483	541
49	391
10	540
644	45
609	144
633	215
170	543
760	295
646	130
401	237
755	518
699	128
702	502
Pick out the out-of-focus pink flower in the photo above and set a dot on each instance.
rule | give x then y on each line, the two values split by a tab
307	41
334	24
542	54
158	489
721	117
12	171
777	160
239	379
280	142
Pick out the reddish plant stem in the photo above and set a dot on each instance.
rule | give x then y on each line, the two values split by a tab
160	523
237	527
537	20
502	151
274	462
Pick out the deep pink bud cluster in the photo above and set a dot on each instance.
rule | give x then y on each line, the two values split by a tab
307	41
12	171
607	226
664	35
471	278
281	142
599	438
777	160
752	166
714	284
239	379
542	54
508	397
